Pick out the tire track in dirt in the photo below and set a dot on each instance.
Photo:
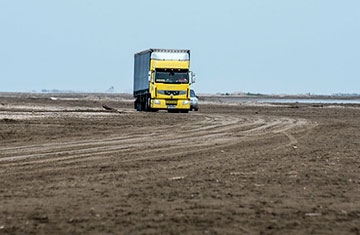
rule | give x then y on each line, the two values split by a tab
209	131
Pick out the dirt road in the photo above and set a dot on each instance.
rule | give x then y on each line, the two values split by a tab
68	166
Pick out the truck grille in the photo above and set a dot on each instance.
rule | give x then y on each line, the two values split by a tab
169	92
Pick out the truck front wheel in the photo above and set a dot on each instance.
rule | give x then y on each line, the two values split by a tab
148	104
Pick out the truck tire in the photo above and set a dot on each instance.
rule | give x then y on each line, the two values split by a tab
138	105
147	104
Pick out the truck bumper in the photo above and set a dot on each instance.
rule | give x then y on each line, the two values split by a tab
170	104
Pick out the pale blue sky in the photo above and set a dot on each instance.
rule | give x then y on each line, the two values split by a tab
259	46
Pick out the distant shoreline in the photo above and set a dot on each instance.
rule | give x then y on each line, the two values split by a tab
202	96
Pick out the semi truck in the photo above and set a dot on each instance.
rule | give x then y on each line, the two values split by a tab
162	80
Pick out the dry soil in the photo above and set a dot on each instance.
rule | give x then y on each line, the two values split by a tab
69	166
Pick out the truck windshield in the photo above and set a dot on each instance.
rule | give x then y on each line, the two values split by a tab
171	76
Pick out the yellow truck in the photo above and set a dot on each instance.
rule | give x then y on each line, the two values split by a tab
162	79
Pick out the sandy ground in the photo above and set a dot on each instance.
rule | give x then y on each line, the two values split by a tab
68	166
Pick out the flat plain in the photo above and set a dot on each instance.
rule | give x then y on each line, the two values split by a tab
70	166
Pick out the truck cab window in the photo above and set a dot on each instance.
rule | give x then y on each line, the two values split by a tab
172	77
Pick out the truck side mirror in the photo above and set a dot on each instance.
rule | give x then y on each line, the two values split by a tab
149	76
192	77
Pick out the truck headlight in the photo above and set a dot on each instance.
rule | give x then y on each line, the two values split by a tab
156	101
185	102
